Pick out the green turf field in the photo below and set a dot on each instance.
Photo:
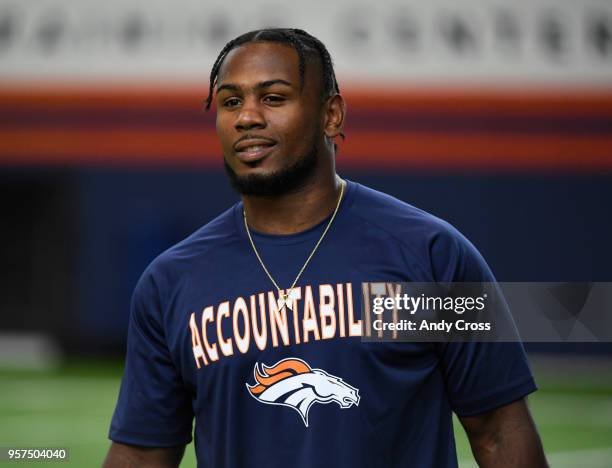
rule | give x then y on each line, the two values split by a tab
71	408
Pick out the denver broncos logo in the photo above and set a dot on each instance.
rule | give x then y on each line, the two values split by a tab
293	383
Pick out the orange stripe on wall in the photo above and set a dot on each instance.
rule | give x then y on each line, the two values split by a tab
363	149
191	97
75	96
475	151
500	101
125	143
149	145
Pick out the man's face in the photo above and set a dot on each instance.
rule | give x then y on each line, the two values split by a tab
270	130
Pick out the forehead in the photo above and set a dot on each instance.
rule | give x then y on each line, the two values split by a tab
255	62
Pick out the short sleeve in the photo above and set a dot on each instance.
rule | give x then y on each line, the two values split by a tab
154	407
479	376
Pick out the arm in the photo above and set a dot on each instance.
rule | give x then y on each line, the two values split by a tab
152	421
132	456
505	437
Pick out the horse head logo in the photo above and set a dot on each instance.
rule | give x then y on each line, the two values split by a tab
293	383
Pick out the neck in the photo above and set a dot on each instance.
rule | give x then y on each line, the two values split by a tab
295	211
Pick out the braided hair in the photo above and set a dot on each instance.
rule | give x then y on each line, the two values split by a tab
306	46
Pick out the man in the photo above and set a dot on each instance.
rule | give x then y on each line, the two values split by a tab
252	323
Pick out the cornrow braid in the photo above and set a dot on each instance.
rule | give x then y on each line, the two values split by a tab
304	44
215	69
331	82
299	47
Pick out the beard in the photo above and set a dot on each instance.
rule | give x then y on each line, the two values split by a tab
276	183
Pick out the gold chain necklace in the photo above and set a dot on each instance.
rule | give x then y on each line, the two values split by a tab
284	298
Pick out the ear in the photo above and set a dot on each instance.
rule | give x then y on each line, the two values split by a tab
335	112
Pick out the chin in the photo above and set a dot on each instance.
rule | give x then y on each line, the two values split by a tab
262	180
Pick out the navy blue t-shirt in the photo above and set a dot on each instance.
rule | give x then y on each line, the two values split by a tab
296	387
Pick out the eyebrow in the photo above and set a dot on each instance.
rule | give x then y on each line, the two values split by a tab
260	85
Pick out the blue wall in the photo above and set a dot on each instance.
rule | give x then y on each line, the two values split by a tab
529	227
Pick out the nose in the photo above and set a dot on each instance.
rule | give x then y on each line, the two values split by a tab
250	117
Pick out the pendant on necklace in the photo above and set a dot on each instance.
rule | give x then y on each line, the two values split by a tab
286	300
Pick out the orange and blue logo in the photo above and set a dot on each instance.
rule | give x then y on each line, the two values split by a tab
293	383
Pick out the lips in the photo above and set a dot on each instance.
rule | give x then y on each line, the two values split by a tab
253	149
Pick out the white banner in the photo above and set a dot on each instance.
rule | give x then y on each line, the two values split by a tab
563	42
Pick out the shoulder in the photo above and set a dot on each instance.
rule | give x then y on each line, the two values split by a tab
409	225
390	213
437	245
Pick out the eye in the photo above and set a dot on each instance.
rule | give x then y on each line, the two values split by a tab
231	102
274	99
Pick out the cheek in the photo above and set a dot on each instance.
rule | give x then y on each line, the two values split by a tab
295	129
224	131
